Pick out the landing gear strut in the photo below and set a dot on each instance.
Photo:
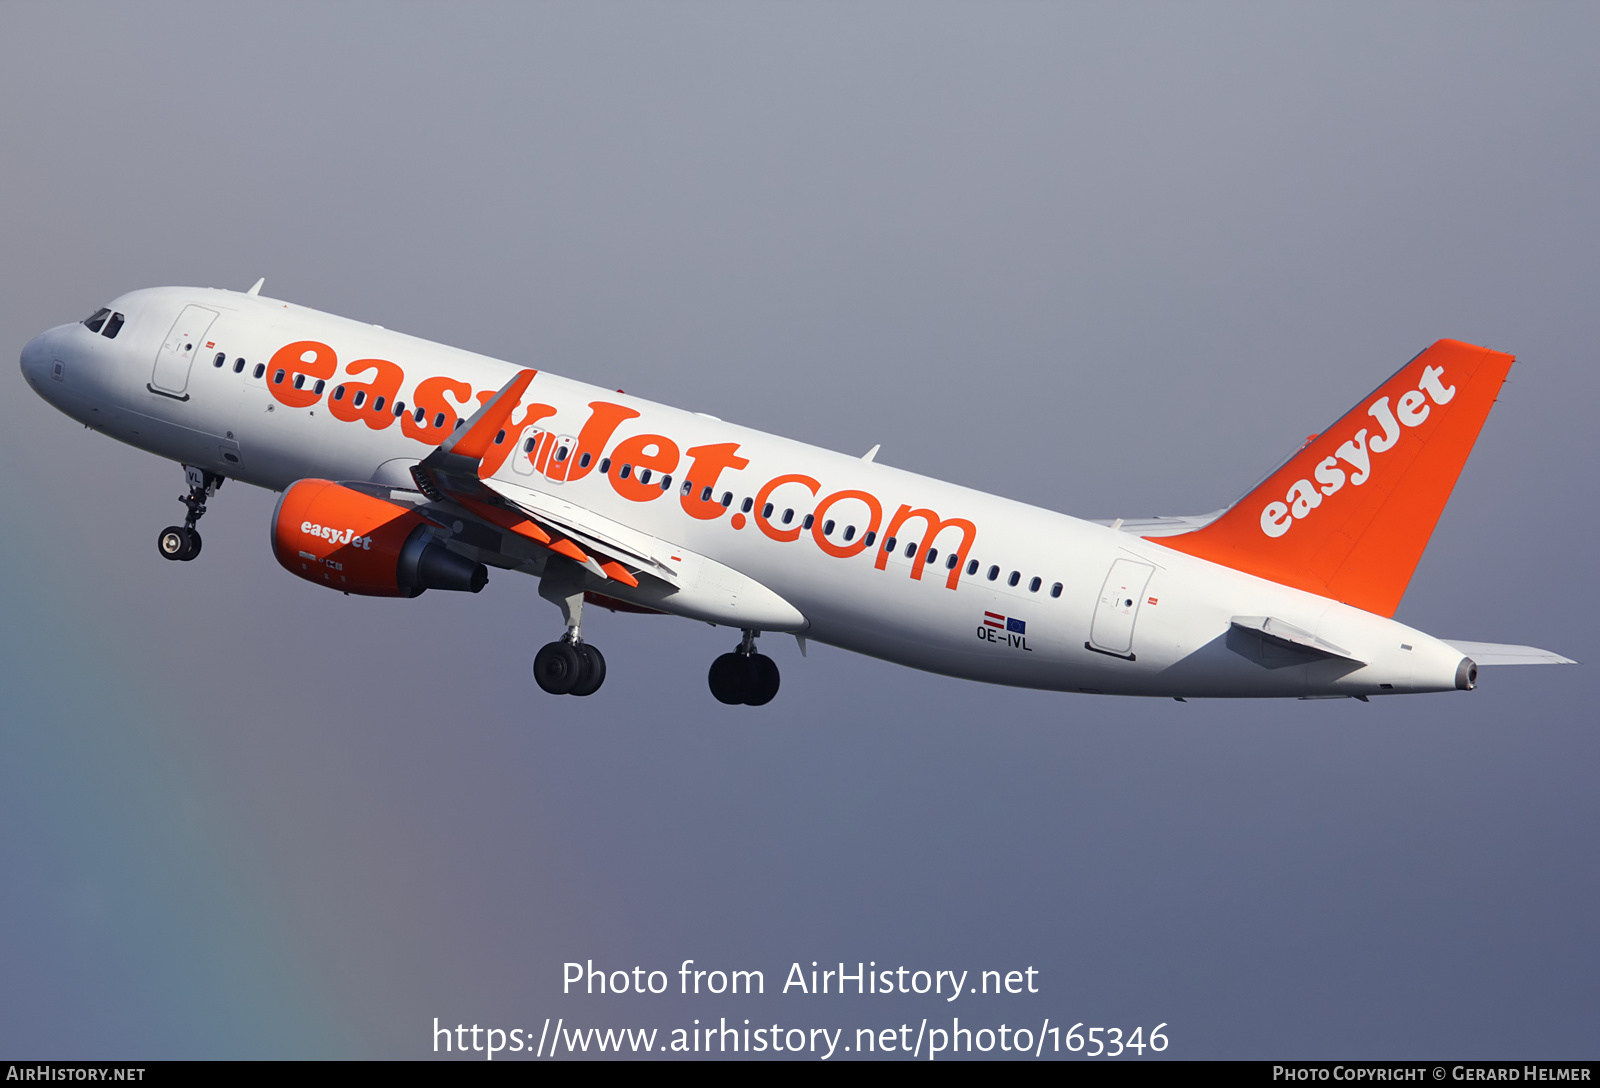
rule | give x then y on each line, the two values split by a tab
568	666
744	676
183	541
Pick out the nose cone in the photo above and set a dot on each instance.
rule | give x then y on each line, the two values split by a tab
37	355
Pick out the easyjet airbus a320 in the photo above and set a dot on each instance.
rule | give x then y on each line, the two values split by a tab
406	466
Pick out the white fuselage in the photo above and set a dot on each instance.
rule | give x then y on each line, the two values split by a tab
1130	617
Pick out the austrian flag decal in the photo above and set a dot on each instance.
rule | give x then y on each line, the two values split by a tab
1005	631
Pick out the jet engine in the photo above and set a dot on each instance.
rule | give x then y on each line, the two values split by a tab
351	540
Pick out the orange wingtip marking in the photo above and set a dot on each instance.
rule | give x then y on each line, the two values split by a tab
619	572
562	546
476	440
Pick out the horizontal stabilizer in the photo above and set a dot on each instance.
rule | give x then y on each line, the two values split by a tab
1499	653
1287	634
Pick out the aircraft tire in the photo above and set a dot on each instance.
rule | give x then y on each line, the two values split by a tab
731	679
765	680
556	668
171	543
592	670
194	546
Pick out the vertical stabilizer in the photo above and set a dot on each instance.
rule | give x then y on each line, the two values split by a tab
1349	515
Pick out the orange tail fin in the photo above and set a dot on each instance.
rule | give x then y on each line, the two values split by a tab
1349	515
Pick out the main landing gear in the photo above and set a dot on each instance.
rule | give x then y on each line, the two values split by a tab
568	666
183	541
744	676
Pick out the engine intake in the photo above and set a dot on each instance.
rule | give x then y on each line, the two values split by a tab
355	542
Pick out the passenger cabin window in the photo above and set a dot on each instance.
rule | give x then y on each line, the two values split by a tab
746	505
438	420
849	533
261	368
866	541
605	465
727	499
622	473
766	511
583	462
421	414
562	453
644	475
994	572
500	438
299	381
950	564
1055	590
95	320
788	516
806	524
1033	586
238	366
529	443
827	527
399	408
1016	576
377	405
360	398
972	567
277	379
221	358
888	545
666	482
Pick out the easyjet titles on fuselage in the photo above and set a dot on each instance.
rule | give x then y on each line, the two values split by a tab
300	374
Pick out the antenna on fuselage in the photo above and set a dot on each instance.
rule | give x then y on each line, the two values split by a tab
256	290
873	452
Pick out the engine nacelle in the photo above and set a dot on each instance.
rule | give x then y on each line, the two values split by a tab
345	539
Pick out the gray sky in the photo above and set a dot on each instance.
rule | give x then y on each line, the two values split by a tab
1111	260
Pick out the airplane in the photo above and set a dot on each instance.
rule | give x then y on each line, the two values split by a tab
406	465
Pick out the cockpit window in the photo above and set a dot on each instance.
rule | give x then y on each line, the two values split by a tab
98	318
113	326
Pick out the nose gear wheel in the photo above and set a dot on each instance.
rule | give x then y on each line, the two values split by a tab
182	542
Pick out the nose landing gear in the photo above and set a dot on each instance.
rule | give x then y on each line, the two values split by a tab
744	676
182	542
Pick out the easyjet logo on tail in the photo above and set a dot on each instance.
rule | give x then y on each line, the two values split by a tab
1349	515
1409	410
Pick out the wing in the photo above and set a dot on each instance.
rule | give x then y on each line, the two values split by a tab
451	474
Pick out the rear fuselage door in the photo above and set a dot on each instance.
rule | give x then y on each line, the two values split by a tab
1118	607
178	351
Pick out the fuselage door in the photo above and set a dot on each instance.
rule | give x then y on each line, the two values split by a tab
179	351
1118	607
